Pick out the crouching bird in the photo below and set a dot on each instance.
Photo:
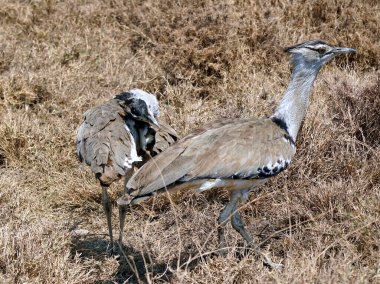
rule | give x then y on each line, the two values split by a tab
119	135
237	155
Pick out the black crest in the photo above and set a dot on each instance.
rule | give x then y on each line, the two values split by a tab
310	42
125	96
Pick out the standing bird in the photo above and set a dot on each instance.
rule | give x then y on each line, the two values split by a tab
118	135
237	155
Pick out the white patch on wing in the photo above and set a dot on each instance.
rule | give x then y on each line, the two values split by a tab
133	157
210	184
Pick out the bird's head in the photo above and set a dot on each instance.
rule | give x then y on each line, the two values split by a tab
142	105
315	53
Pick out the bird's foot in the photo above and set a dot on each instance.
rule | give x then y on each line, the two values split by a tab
267	262
111	249
270	264
115	250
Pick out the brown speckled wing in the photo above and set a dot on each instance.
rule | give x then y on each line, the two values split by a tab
103	142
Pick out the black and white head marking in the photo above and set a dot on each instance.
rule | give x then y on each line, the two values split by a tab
143	106
315	53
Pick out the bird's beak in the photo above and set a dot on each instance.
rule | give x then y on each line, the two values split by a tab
338	50
152	119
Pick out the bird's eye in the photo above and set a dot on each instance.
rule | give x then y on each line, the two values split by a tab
321	50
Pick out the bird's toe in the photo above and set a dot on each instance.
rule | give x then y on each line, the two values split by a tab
272	265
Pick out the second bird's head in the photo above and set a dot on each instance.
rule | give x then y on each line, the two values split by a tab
142	105
315	53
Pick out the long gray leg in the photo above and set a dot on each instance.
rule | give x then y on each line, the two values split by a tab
108	210
225	214
238	225
123	208
122	213
128	174
236	221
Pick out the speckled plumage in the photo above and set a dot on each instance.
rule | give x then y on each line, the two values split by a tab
109	135
103	141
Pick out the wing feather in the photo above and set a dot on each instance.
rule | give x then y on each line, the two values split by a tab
159	172
164	137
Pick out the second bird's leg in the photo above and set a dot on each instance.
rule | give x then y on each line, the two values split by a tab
108	210
238	225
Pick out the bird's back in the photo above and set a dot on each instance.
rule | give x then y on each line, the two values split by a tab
108	141
233	150
105	143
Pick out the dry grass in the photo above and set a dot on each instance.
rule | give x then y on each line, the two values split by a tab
206	60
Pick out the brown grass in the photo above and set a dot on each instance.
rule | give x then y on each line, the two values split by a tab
205	60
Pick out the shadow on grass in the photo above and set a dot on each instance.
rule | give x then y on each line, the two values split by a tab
136	267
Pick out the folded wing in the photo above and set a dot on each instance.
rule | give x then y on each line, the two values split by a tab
104	143
237	149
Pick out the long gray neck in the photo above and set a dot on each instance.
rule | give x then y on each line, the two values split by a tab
292	108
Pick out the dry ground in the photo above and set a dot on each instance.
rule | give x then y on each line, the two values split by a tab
205	60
